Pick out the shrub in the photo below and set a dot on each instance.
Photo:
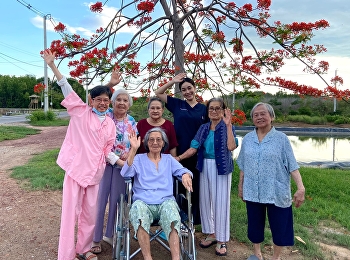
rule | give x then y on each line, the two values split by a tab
42	116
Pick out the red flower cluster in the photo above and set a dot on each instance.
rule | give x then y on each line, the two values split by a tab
58	47
142	21
230	6
60	27
238	117
264	4
121	48
295	87
39	87
96	8
197	58
132	68
221	19
237	45
218	37
147	6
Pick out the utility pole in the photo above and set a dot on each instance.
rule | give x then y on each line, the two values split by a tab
45	17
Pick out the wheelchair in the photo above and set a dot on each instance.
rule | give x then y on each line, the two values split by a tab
121	237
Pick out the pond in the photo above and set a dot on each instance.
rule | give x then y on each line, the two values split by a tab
317	150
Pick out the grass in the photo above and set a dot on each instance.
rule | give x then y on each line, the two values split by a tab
16	132
56	122
41	172
324	216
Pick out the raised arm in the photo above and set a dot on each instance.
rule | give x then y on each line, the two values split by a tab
116	77
49	57
160	92
231	143
135	144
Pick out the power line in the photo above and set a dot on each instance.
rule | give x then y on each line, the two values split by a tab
30	7
17	49
20	61
16	65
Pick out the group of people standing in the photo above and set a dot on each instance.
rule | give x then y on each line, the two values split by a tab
102	147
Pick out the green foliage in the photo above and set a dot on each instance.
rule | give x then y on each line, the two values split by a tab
40	115
305	111
41	172
16	132
312	120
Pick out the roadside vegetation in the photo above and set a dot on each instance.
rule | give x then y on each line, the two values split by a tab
16	132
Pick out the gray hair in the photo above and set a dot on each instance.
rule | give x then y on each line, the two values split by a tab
268	107
119	91
164	137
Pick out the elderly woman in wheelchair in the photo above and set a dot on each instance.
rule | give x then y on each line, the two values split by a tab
153	198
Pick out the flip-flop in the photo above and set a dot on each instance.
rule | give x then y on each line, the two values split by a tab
87	256
212	240
219	246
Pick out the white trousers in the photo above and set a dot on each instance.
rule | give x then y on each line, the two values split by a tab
214	201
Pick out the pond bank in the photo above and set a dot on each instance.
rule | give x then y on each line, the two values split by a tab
304	131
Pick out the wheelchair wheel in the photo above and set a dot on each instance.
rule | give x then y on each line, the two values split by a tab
119	231
187	243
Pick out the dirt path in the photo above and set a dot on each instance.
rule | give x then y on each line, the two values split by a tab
30	220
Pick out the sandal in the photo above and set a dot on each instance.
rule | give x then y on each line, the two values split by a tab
87	256
212	241
96	248
219	247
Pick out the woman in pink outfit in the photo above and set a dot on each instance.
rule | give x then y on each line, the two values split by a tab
89	139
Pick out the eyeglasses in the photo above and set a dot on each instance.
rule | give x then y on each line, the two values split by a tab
157	140
216	109
100	100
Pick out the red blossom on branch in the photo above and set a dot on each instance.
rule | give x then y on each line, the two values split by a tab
96	8
60	27
39	87
147	6
238	117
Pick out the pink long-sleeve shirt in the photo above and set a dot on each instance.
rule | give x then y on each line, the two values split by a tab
88	141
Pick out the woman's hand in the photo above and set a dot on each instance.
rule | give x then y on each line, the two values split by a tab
227	116
179	77
135	141
48	56
187	182
116	77
299	197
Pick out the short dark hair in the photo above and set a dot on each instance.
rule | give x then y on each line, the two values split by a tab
186	80
99	90
216	99
162	133
154	99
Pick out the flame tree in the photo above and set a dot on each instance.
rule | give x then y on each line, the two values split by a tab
212	43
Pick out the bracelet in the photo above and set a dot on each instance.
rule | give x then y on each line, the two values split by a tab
179	157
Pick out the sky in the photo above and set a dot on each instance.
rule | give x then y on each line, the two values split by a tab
22	33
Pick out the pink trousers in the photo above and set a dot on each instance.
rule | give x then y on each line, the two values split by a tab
78	204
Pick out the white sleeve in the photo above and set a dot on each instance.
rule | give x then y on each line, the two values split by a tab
65	86
112	158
